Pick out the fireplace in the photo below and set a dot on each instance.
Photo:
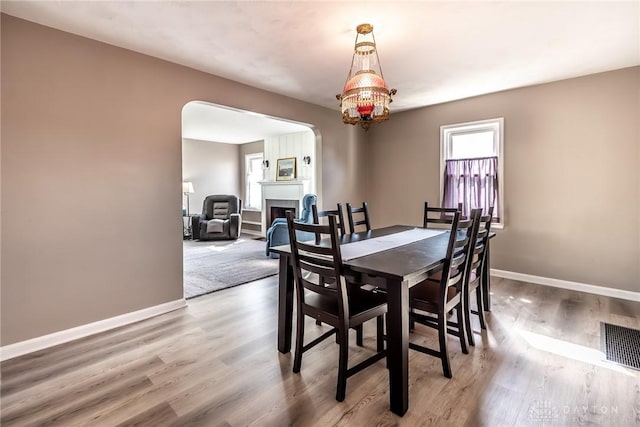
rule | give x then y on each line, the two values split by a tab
286	195
279	212
276	208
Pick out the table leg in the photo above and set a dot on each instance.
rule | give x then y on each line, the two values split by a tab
285	304
486	279
398	346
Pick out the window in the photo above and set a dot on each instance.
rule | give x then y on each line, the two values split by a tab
253	175
471	165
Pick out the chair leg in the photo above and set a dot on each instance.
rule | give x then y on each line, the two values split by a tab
444	351
412	323
297	361
343	334
359	336
387	328
479	299
462	319
380	333
318	322
467	319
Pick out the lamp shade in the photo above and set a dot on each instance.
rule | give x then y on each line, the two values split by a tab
187	187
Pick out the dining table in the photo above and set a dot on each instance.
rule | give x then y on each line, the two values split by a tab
394	269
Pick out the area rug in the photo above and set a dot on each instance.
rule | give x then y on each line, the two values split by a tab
212	266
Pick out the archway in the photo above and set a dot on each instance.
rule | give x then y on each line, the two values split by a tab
231	151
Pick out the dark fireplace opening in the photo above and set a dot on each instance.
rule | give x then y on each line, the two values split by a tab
279	212
276	208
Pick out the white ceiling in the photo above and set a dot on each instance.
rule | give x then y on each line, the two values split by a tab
204	121
431	51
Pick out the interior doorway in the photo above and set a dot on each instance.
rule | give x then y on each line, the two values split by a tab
230	152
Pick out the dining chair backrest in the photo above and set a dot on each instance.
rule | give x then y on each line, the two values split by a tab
321	257
365	220
478	233
317	215
455	264
436	215
478	252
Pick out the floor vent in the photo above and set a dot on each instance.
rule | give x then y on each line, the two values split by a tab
621	345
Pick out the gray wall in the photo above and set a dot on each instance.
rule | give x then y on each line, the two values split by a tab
572	187
212	167
91	175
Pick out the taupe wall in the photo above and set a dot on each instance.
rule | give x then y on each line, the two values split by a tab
572	186
91	175
213	168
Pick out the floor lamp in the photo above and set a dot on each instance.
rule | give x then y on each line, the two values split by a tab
187	188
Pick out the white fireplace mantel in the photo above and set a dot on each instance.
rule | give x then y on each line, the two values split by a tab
282	190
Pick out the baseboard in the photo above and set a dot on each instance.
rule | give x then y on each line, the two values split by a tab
565	284
29	346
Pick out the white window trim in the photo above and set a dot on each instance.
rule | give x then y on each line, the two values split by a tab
497	126
247	161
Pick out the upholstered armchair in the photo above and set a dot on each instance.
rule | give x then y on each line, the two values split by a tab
278	233
220	218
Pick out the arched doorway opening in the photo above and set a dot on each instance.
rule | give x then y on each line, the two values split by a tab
226	151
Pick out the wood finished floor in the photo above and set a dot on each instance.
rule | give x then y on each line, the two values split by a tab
215	363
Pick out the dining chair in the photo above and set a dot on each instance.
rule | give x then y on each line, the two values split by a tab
475	266
341	226
317	215
340	306
324	214
365	220
437	215
442	217
431	301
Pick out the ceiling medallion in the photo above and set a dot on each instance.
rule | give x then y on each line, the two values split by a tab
366	97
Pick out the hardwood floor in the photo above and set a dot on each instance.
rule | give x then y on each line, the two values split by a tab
215	363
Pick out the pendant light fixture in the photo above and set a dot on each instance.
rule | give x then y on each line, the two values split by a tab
366	97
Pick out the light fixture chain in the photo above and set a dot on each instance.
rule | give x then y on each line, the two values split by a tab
353	60
377	57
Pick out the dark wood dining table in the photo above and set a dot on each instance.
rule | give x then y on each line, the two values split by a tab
395	270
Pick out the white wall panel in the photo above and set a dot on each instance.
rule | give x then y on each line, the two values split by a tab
298	145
